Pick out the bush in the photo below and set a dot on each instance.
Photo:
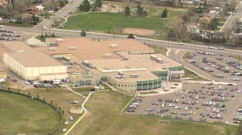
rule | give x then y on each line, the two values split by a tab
83	33
85	6
132	36
164	13
127	11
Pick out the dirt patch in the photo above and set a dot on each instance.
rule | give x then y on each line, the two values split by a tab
113	8
137	31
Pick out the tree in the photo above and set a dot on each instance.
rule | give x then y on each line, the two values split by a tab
50	4
164	13
127	11
83	33
85	6
132	36
233	4
205	4
62	3
98	4
53	35
141	11
35	19
213	24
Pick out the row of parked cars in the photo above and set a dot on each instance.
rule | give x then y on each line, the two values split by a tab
132	107
8	35
208	103
213	64
235	64
45	84
238	117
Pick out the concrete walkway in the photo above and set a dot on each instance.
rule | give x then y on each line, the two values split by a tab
83	107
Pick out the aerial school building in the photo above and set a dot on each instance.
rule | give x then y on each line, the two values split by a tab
31	64
138	72
126	64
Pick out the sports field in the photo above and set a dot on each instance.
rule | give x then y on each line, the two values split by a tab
20	114
105	118
116	22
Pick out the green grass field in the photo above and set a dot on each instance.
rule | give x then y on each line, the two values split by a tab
84	91
112	21
115	22
105	118
20	114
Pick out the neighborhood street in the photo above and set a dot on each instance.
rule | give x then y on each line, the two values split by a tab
230	23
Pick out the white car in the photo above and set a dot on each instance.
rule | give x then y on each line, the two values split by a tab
210	47
27	82
221	48
236	79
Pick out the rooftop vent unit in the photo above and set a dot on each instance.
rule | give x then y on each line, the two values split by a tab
153	57
20	50
119	76
59	39
52	48
120	73
90	65
85	62
72	48
114	45
134	76
107	55
157	59
53	44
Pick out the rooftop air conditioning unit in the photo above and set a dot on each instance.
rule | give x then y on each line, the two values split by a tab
153	57
85	62
114	45
107	55
20	50
72	48
134	76
159	60
59	39
52	48
120	73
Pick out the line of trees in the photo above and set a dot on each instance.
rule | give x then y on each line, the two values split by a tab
86	5
142	12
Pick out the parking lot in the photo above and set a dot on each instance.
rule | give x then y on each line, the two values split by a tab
225	68
194	102
8	35
201	102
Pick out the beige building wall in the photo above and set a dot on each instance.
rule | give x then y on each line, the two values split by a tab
35	73
129	87
14	65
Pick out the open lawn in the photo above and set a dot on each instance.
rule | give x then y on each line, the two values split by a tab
112	21
116	22
84	91
189	74
20	114
157	49
60	96
105	118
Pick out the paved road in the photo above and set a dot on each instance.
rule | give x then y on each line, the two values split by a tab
178	57
154	42
60	15
229	24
